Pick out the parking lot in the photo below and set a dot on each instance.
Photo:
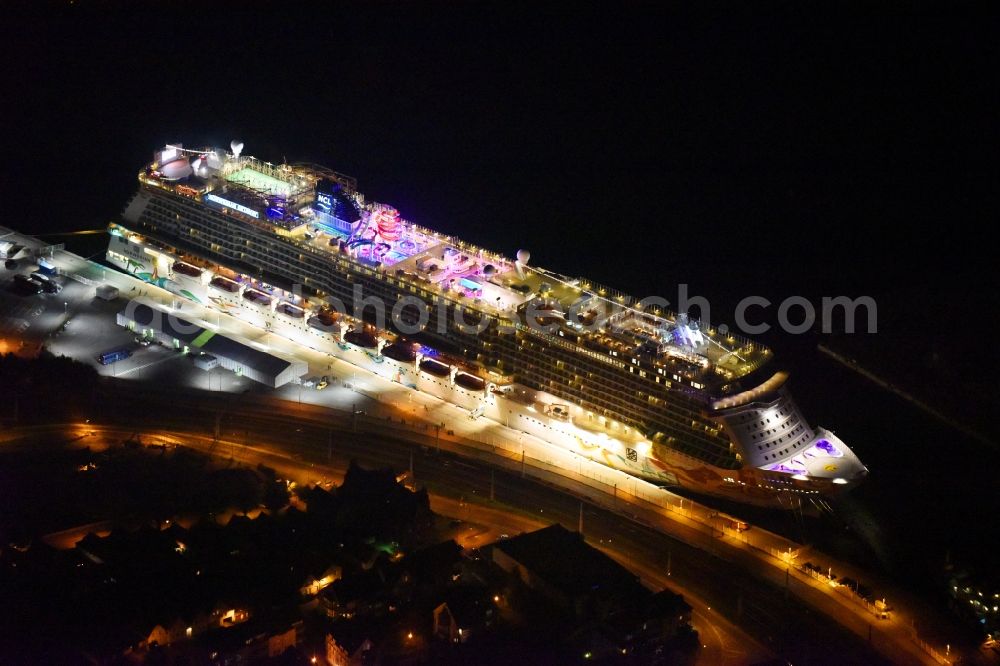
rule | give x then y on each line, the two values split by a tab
27	320
77	324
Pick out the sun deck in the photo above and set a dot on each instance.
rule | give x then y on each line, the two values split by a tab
255	180
583	313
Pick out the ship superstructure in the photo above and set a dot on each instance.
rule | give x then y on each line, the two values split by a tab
298	247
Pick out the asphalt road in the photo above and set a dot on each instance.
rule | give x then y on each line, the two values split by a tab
740	618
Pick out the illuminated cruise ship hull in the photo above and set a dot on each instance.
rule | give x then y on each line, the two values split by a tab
515	406
641	391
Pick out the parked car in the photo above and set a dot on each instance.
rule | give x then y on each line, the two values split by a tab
48	285
26	285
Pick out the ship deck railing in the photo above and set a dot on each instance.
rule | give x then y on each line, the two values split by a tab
465	301
624	303
619	300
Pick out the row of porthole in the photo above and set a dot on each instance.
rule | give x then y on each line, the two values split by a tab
215	223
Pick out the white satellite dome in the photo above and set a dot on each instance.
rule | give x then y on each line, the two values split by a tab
177	169
214	161
236	146
523	256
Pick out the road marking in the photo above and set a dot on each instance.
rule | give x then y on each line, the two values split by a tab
146	365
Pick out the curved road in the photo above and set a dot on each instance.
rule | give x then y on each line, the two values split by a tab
730	605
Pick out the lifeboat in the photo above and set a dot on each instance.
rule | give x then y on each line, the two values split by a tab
258	297
435	367
290	310
404	352
186	269
471	382
361	339
225	284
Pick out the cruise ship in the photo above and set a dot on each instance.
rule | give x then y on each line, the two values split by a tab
296	249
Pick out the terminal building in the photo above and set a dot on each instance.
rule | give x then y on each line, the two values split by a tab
212	348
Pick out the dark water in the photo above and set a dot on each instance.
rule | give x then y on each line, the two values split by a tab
931	487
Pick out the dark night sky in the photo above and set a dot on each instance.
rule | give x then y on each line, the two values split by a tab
779	151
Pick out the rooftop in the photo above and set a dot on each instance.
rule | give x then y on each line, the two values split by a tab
269	364
564	560
205	339
148	317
